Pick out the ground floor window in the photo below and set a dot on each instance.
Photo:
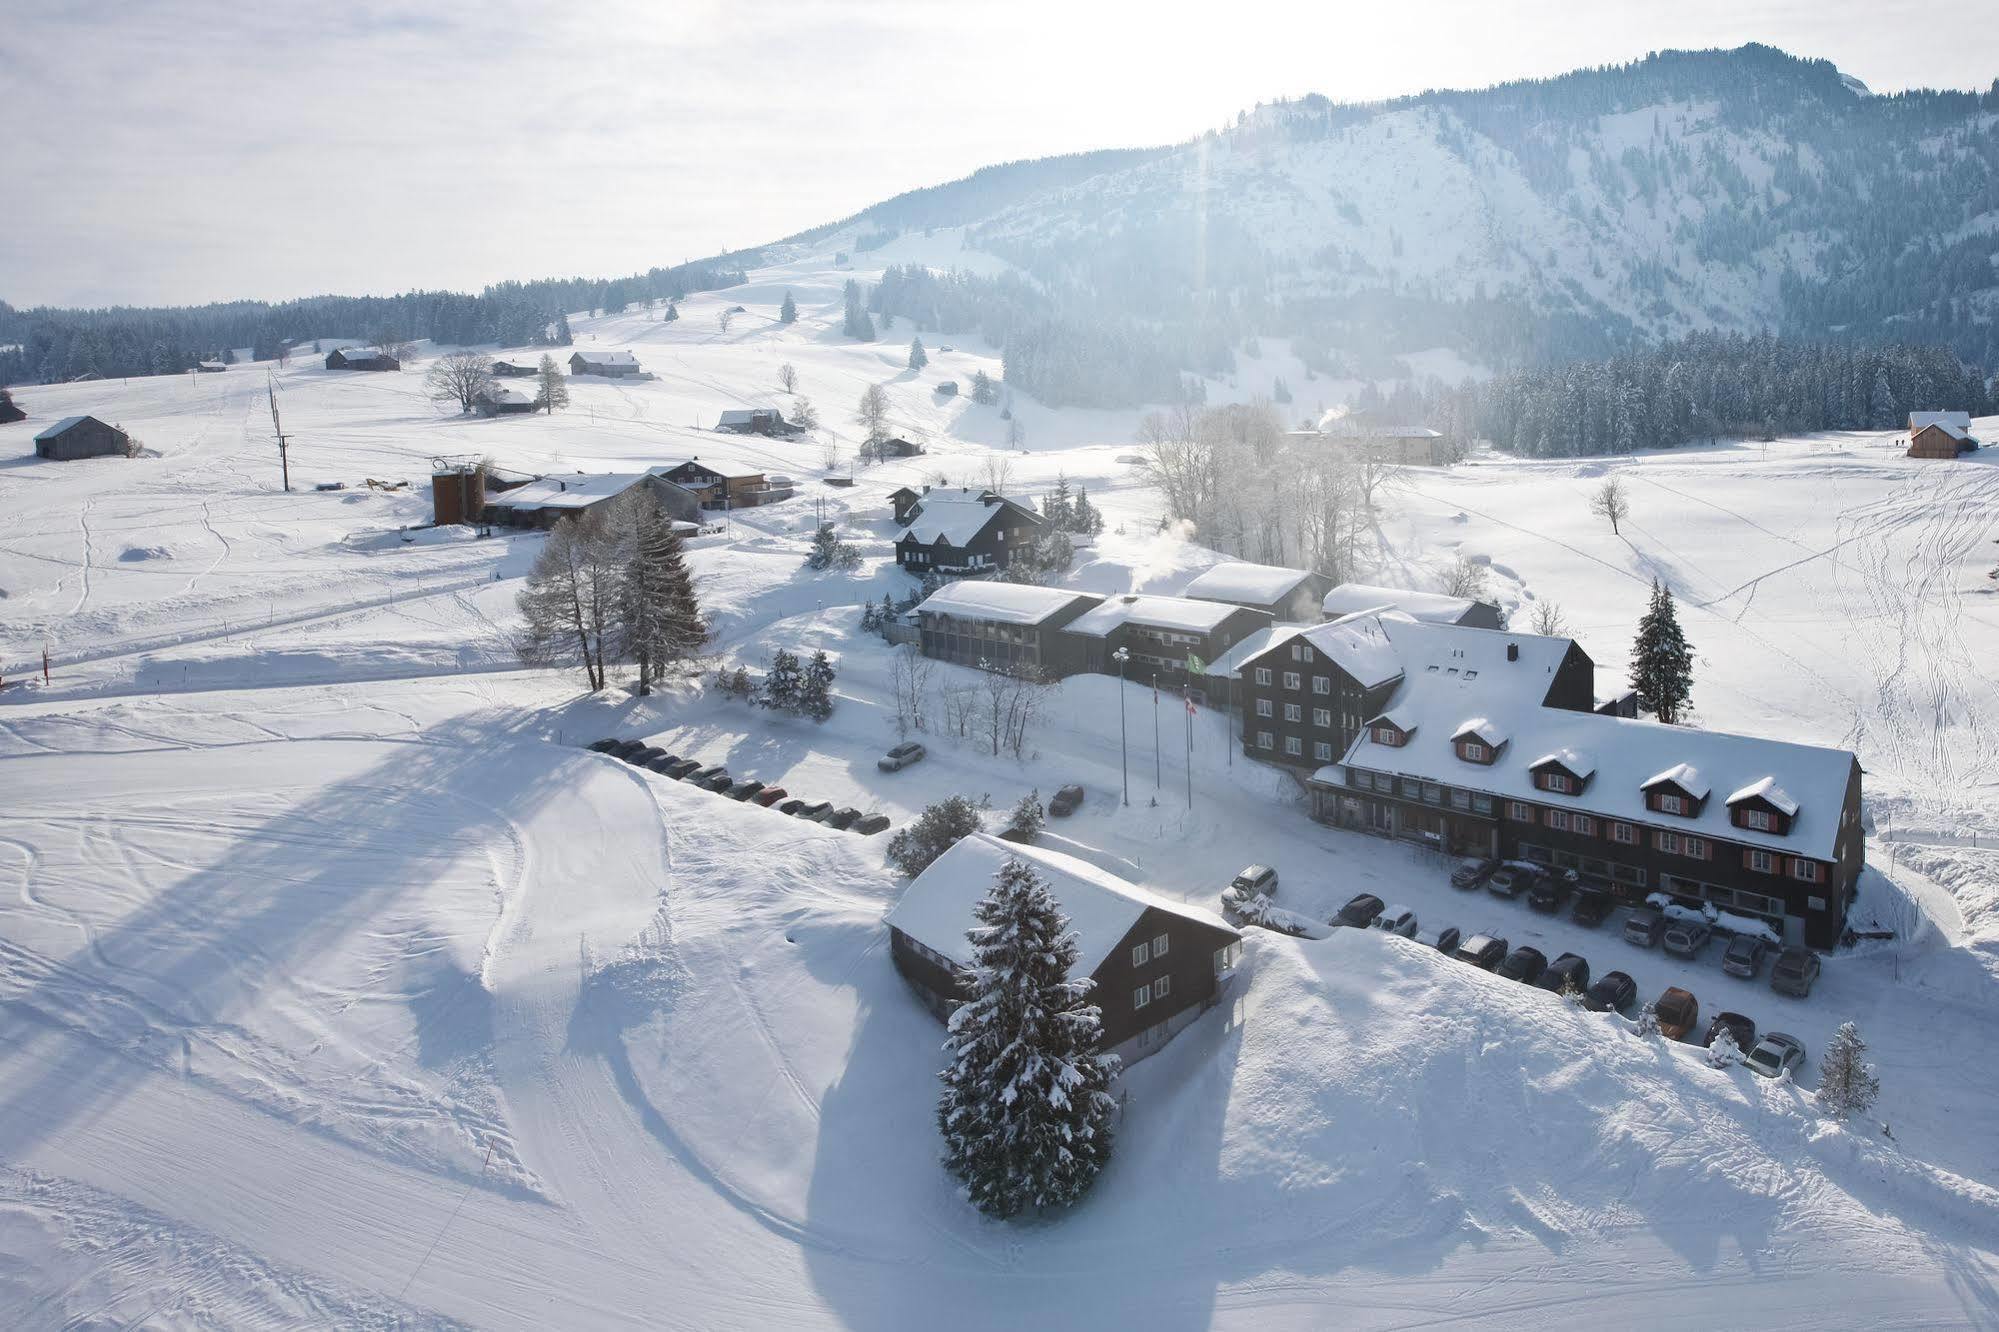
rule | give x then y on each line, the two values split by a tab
1528	851
1630	874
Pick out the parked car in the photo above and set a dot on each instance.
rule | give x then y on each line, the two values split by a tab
644	754
870	824
1737	1026
681	769
745	789
770	795
842	819
1592	907
791	806
1568	972
1524	964
1484	951
1066	801
722	785
1776	1054
1677	1011
1686	938
605	746
1549	893
705	776
1614	992
624	749
662	765
1744	957
1360	912
1255	879
1643	927
901	756
1794	972
1396	920
1507	881
1473	873
1444	941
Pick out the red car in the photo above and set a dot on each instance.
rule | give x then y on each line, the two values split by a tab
769	796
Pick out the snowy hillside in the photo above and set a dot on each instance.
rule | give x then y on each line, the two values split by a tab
341	986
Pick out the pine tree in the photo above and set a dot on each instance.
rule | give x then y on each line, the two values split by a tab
1084	518
551	390
659	619
1847	1085
918	358
1027	819
1055	505
782	683
985	391
1724	1052
871	617
815	688
936	830
1662	665
1026	1109
1881	408
672	313
788	312
563	337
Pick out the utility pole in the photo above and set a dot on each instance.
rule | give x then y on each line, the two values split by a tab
1124	765
1158	779
284	463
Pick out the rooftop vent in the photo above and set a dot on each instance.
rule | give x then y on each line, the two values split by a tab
1513	652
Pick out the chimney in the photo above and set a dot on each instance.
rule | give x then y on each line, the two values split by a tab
1513	652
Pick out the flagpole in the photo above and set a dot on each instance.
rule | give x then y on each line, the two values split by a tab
1158	781
1190	751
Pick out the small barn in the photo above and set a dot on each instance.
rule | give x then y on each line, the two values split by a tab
755	421
81	437
897	447
1940	434
498	399
723	485
611	364
515	367
947	388
360	358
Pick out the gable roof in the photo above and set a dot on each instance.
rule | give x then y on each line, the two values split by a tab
728	471
742	416
1353	598
956	517
1574	760
1359	645
50	432
578	490
508	393
1683	775
936	909
1173	613
1482	730
606	357
1008	603
1246	584
1766	789
1955	424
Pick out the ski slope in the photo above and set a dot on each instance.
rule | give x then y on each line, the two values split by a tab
340	986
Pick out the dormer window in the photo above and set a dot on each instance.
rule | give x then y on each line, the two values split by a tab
1762	806
1671	804
1758	819
1565	772
1678	790
1559	782
1475	752
1388	735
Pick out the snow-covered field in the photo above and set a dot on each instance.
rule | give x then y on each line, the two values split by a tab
340	986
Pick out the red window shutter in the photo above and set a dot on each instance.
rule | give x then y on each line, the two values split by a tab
1745	860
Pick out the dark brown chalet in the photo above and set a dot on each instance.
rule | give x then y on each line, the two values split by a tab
361	358
1156	964
954	532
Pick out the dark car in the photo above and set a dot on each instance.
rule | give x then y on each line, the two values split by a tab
605	746
1795	971
1360	912
662	765
681	769
744	790
624	749
1744	957
1643	927
722	785
1066	801
1508	881
1567	972
1444	941
770	795
1592	907
1614	992
870	824
818	811
1549	893
1677	1011
704	776
1484	951
1524	964
1738	1026
842	819
645	754
1473	873
791	806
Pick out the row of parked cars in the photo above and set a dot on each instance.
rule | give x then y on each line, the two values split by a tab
716	778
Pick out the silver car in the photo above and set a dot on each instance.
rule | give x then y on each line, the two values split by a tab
1397	920
1776	1054
900	757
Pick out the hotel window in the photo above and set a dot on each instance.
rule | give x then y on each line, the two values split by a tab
1141	996
1141	954
1558	781
1667	842
1558	820
1162	986
1697	848
1625	833
1758	819
1805	870
1672	804
1388	735
1322	751
1292	680
1460	799
1322	716
1582	824
1518	812
1761	862
1263	675
1474	751
1630	874
1293	745
1263	708
1292	712
1412	789
1322	684
1159	942
1481	804
1433	794
1264	740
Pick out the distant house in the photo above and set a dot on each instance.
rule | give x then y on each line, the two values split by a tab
898	448
1009	626
360	358
1160	634
723	485
506	400
947	388
515	367
1385	439
212	367
81	437
1429	607
1940	434
755	421
1156	964
548	500
963	532
902	503
1285	594
611	364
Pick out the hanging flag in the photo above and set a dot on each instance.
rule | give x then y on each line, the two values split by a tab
1189	696
1195	666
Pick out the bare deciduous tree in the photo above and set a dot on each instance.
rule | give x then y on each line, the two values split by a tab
909	678
459	377
392	341
804	415
725	318
872	413
960	707
998	473
1548	620
787	377
1467	578
1609	501
571	599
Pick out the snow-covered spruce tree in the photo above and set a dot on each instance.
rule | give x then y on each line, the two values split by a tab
1847	1085
985	391
1026	1109
672	313
551	392
1025	823
936	830
782	683
659	619
815	688
1084	518
1724	1052
885	616
1648	1021
871	618
918	358
1662	665
787	313
1055	505
829	552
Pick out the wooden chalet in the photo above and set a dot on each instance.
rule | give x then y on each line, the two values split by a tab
1012	627
1940	434
1284	594
955	532
721	485
76	437
609	364
515	367
767	421
360	358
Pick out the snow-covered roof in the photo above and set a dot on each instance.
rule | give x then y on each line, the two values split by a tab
742	416
1766	789
1174	613
1229	664
1009	603
1481	729
1402	719
1360	646
1246	584
1627	755
1955	424
215	365
728	471
1353	598
936	909
577	491
507	393
50	432
954	517
518	362
1573	759
607	357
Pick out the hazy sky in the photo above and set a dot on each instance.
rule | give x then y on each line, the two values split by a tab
193	152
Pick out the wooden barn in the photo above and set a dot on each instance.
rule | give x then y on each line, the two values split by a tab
1940	434
360	358
611	364
1156	964
515	367
81	437
755	421
498	399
